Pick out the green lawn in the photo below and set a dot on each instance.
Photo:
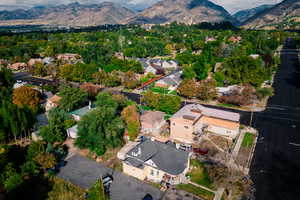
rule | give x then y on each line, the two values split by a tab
248	140
227	105
207	195
160	90
199	174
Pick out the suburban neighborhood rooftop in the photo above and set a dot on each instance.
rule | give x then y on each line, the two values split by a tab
194	111
165	157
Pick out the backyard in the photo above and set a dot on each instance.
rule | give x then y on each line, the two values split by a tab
207	195
198	174
246	148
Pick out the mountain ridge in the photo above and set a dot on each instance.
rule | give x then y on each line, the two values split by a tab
182	11
246	14
285	15
73	14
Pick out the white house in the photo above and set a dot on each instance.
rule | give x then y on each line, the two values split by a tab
72	132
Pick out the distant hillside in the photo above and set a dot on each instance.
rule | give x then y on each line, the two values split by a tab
244	15
285	15
182	11
74	14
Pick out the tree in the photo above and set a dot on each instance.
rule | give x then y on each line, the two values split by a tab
6	83
72	98
207	90
169	103
26	96
151	99
97	192
108	79
130	80
189	73
201	69
131	117
100	129
45	160
55	131
244	69
188	88
165	103
66	71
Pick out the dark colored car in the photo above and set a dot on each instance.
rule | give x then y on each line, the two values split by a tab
107	180
148	197
200	151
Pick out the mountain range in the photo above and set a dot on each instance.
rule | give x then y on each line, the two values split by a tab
74	14
283	15
182	11
243	15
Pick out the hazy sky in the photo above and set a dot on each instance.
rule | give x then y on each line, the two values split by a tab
231	5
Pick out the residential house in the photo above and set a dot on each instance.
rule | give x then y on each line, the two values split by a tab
157	162
73	132
226	91
78	114
69	58
158	66
218	66
32	62
235	39
52	102
255	56
192	120
170	82
210	39
152	122
17	66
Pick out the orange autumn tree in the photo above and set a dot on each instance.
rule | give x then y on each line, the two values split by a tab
131	116
26	96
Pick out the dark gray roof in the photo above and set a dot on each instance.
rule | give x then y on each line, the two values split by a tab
135	162
84	172
166	157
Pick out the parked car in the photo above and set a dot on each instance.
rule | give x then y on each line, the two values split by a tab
200	151
148	197
186	147
106	181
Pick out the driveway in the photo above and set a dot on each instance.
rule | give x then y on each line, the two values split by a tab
84	172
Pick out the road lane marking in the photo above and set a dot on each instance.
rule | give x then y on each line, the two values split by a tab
294	144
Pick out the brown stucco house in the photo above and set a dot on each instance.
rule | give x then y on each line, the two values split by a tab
155	161
194	119
152	122
52	102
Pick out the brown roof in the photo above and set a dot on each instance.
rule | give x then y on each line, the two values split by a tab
152	117
220	123
55	99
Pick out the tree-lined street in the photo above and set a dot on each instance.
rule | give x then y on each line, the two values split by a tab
276	164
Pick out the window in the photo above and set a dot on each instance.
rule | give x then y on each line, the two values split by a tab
173	124
152	172
157	173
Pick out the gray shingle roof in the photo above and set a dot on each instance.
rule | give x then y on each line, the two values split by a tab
165	157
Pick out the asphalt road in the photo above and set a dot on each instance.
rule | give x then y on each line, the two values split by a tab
276	165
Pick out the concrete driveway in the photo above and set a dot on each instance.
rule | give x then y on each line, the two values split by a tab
84	172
